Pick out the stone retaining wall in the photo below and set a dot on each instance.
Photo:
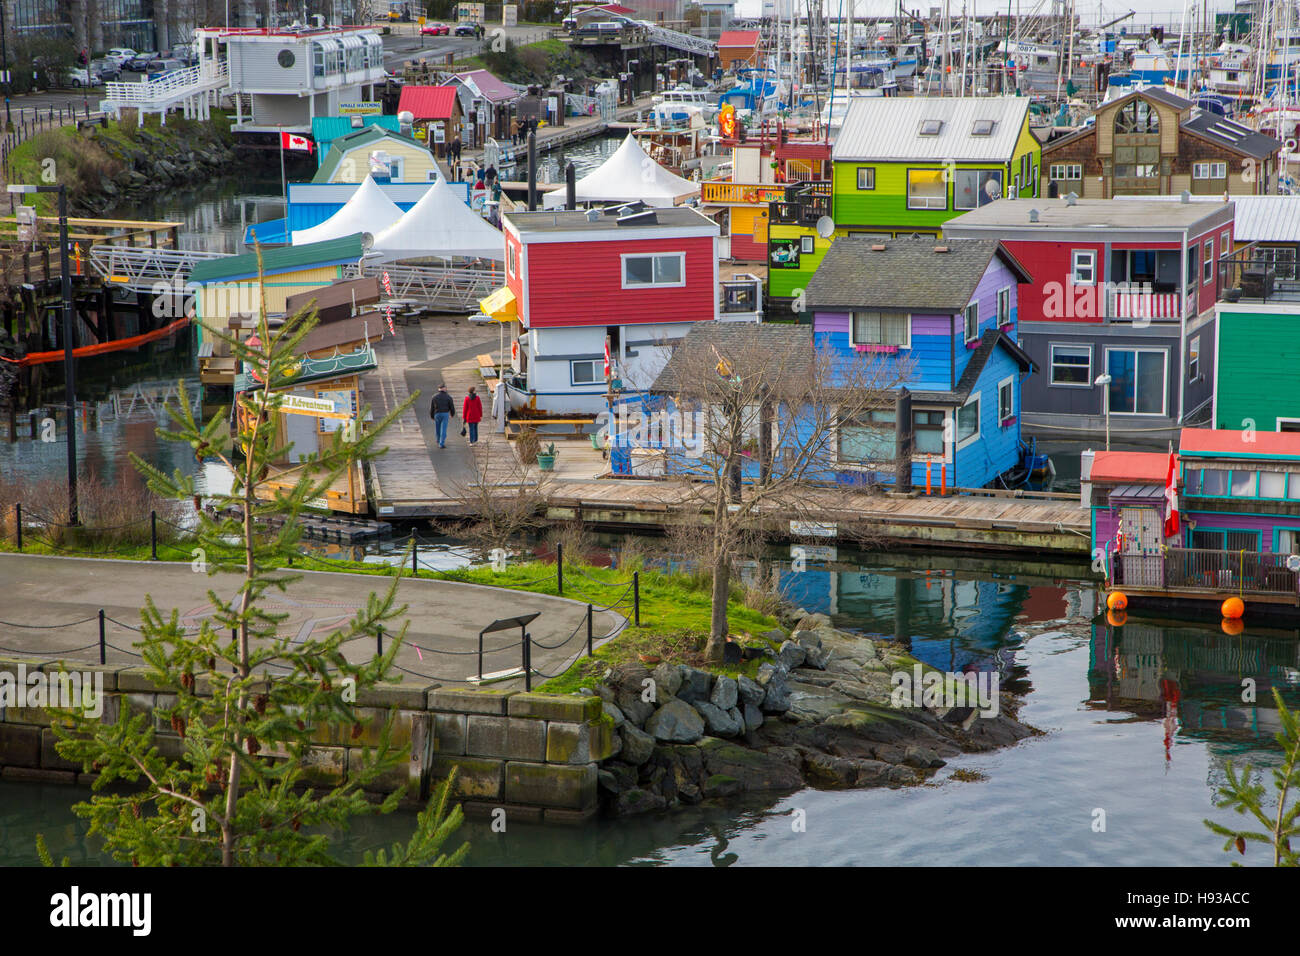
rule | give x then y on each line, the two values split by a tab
533	755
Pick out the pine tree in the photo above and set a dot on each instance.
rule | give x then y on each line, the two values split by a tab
251	703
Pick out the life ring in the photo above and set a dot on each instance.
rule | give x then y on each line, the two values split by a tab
1290	145
751	196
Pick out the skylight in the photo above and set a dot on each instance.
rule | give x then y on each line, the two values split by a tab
982	127
931	127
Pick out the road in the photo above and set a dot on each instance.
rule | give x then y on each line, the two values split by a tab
445	617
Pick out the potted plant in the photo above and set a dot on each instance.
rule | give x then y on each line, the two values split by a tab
546	458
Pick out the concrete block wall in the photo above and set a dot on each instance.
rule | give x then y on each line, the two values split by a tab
532	755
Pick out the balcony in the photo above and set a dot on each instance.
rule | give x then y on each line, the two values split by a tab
1141	304
1195	572
724	192
1257	274
803	204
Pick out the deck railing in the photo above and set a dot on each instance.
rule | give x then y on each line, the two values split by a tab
1258	274
1196	569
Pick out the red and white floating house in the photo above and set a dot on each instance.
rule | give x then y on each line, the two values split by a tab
630	278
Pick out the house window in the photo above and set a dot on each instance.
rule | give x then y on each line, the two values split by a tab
395	167
660	270
1137	381
1225	244
1293	485
512	265
1209	170
1243	483
1137	116
1083	266
927	432
972	322
1072	365
1272	484
586	372
806	245
976	187
866	177
1193	264
1194	358
881	328
1006	401
1207	262
868	437
1004	307
1288	541
968	421
926	189
1067	171
1214	482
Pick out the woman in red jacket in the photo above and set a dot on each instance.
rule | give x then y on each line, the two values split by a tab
471	411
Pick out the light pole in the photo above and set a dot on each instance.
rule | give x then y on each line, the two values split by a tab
1104	381
4	55
69	370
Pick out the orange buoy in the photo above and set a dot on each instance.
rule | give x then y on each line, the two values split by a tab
1117	618
1116	600
1233	608
1232	626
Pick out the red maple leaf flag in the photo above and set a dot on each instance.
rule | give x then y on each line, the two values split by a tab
293	141
607	357
1171	499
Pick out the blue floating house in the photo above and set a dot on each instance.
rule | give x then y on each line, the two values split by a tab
942	316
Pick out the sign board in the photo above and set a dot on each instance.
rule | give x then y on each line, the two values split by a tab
509	14
360	109
471	12
552	104
813	529
419	21
439	133
305	405
26	216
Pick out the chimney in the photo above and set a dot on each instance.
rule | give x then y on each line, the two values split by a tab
1185	197
1071	199
1033	215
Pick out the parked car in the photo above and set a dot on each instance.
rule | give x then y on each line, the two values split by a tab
138	62
106	68
79	76
120	54
434	29
468	30
158	67
185	53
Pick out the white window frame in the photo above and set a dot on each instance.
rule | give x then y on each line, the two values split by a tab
1209	170
1283	420
907	325
1066	172
872	177
512	260
679	256
1225	243
1051	362
1164	385
807	245
925	202
1008	383
1004	300
597	377
1194	358
959	442
967	337
1207	262
1076	257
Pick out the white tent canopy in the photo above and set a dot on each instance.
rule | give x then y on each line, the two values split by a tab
368	210
440	224
627	176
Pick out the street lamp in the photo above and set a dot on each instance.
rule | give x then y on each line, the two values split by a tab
69	372
1104	381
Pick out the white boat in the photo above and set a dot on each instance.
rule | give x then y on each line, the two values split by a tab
676	105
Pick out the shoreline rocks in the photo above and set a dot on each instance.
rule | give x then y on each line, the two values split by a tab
817	712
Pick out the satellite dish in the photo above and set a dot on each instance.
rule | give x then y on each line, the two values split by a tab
825	227
993	189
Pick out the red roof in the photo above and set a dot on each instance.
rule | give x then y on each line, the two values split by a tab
1239	444
428	102
616	8
742	38
1131	467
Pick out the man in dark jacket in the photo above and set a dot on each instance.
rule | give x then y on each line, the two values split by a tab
443	410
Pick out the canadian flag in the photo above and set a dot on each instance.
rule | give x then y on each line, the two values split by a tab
293	141
607	357
1171	499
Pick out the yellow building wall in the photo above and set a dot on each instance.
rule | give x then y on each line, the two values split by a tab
217	302
416	162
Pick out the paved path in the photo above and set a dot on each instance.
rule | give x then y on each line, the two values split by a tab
444	616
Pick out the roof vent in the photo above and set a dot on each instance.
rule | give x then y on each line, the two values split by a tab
1033	215
593	215
1071	199
877	247
357	121
646	218
940	248
1185	197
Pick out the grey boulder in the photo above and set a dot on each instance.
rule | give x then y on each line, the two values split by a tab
676	722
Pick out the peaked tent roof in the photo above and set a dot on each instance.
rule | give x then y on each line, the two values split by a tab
440	224
627	176
367	210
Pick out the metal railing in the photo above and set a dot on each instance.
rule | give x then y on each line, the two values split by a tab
1258	274
803	203
168	88
1197	569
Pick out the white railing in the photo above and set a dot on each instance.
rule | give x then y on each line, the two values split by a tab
169	86
678	40
1145	305
142	269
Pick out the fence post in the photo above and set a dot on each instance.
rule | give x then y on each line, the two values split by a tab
589	654
559	569
415	561
18	523
528	661
636	597
480	656
379	640
102	650
153	534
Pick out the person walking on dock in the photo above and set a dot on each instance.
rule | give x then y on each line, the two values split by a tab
471	413
443	410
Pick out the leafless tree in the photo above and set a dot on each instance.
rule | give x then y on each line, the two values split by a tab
504	497
752	416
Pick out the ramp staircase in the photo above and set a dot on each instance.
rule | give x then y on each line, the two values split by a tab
191	89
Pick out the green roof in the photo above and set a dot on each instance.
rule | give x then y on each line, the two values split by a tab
350	141
284	259
326	129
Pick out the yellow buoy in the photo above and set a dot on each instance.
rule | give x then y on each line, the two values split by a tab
1233	608
1116	600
